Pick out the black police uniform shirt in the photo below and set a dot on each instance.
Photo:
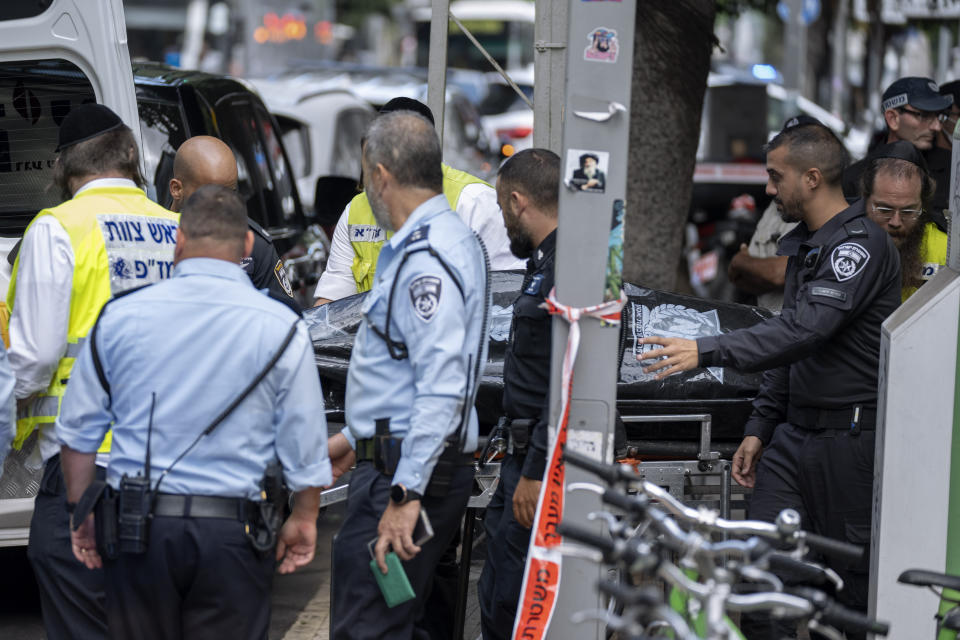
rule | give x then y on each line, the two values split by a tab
526	365
266	270
822	351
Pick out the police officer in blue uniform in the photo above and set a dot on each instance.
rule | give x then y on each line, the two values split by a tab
207	160
413	377
527	187
193	554
815	413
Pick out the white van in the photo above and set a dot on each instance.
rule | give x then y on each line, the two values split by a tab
84	42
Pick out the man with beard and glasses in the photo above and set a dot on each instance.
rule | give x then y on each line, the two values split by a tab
527	191
105	239
411	385
911	111
814	417
897	189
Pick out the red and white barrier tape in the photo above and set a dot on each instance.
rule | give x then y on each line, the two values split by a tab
541	577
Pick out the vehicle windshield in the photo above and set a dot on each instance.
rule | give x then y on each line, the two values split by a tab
509	43
501	98
35	97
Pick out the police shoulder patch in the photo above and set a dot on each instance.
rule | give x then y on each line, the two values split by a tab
281	275
425	296
848	260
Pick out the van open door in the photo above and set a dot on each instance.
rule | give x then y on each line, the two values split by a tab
54	56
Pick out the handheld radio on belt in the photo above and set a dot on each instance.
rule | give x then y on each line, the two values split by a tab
123	517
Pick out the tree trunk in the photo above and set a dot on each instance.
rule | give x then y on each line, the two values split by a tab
674	40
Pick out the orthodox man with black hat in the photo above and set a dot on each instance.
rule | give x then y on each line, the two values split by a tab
106	238
815	414
911	111
358	238
897	189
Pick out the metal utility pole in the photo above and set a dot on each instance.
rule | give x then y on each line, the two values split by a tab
437	66
838	68
589	267
795	46
550	64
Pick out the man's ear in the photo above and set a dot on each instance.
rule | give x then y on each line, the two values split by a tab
518	202
892	118
812	178
248	244
176	189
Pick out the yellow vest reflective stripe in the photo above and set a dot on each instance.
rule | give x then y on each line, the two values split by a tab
94	277
367	237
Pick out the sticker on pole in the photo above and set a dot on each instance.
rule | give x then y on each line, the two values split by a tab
587	170
604	45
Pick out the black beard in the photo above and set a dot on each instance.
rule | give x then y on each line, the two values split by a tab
520	246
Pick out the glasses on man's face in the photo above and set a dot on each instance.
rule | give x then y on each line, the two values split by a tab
886	213
925	117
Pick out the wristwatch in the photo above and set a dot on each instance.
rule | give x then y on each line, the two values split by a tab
399	494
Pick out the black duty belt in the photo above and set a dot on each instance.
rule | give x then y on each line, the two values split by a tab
855	419
189	506
367	452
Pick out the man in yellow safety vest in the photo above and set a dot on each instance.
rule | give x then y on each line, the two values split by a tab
106	238
357	239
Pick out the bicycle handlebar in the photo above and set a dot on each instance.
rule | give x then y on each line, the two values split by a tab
836	615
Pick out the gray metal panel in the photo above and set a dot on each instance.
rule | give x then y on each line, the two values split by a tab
437	65
550	63
584	229
913	453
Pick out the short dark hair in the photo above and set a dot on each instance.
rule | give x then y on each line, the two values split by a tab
813	146
406	144
534	173
217	214
113	151
900	169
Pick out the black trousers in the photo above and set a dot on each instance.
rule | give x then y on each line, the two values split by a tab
358	610
71	596
199	579
507	544
827	476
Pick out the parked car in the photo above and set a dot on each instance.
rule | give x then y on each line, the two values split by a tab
506	117
465	143
44	75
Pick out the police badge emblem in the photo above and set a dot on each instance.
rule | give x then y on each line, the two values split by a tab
848	260
281	275
425	296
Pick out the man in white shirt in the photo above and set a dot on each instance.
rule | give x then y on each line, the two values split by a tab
357	238
108	237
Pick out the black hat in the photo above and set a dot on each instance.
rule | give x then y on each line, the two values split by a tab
901	150
799	121
951	89
920	93
408	104
85	122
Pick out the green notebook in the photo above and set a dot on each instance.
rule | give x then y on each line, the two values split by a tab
394	586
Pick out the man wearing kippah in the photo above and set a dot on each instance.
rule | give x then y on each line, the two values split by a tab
106	238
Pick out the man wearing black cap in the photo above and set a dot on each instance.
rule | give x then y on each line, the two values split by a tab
105	239
815	414
357	239
897	189
911	110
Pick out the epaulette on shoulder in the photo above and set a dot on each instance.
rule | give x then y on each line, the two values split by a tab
855	228
420	233
256	228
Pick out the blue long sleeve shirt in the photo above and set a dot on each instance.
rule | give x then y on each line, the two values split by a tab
439	315
196	341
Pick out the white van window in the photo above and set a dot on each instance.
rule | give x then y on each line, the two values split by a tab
20	10
35	97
